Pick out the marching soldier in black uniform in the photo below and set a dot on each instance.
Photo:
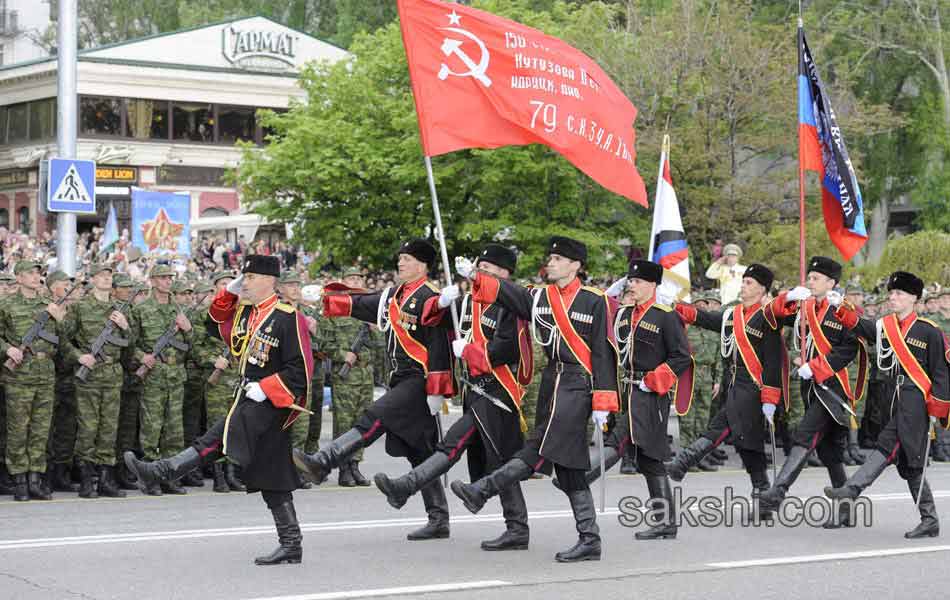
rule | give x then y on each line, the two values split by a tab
654	357
496	348
421	379
572	322
269	341
914	353
826	352
752	342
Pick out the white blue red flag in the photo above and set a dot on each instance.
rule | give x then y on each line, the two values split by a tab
668	238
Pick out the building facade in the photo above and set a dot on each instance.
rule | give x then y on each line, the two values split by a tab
163	113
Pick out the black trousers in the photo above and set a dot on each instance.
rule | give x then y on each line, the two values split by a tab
819	431
752	459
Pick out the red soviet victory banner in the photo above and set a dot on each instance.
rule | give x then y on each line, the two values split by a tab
481	81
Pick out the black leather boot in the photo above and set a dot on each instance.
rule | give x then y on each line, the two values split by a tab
37	487
173	487
813	460
841	517
108	487
233	477
358	477
62	481
516	533
929	524
760	485
344	476
862	478
433	497
791	469
610	459
193	479
628	466
688	457
124	477
399	490
585	519
21	489
659	488
474	495
6	482
150	475
316	467
854	448
220	484
289	536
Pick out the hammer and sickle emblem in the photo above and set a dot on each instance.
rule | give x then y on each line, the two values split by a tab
450	47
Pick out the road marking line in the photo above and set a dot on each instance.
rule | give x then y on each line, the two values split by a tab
396	591
786	560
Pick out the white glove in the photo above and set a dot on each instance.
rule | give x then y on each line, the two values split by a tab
617	288
435	403
458	346
834	298
664	298
464	267
769	411
599	418
797	293
644	387
804	372
254	392
235	286
449	294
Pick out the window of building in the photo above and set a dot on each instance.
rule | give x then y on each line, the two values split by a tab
23	214
147	119
100	116
193	122
4	218
214	212
236	123
43	119
3	124
18	123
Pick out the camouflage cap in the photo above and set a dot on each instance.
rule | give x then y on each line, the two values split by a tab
352	270
222	275
57	276
162	270
204	287
96	268
121	280
289	277
22	266
854	289
7	278
181	286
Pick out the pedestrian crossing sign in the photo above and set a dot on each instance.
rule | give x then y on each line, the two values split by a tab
72	186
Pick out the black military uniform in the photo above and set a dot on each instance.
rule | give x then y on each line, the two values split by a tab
421	367
654	353
913	352
755	368
496	347
571	323
829	401
270	341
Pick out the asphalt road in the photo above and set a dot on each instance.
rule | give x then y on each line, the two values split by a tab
202	546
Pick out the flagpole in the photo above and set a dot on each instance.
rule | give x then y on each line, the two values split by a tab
664	152
440	235
801	200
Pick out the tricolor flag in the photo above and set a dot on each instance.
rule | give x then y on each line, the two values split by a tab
821	149
668	239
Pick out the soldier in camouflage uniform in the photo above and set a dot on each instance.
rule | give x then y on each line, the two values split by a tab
707	360
160	412
213	352
288	287
30	385
98	397
196	375
852	454
7	287
130	395
62	439
354	393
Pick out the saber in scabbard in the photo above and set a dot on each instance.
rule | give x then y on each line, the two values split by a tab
774	461
603	475
923	475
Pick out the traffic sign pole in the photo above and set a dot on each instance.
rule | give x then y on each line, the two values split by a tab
67	113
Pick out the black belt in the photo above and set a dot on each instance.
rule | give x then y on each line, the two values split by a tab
563	367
